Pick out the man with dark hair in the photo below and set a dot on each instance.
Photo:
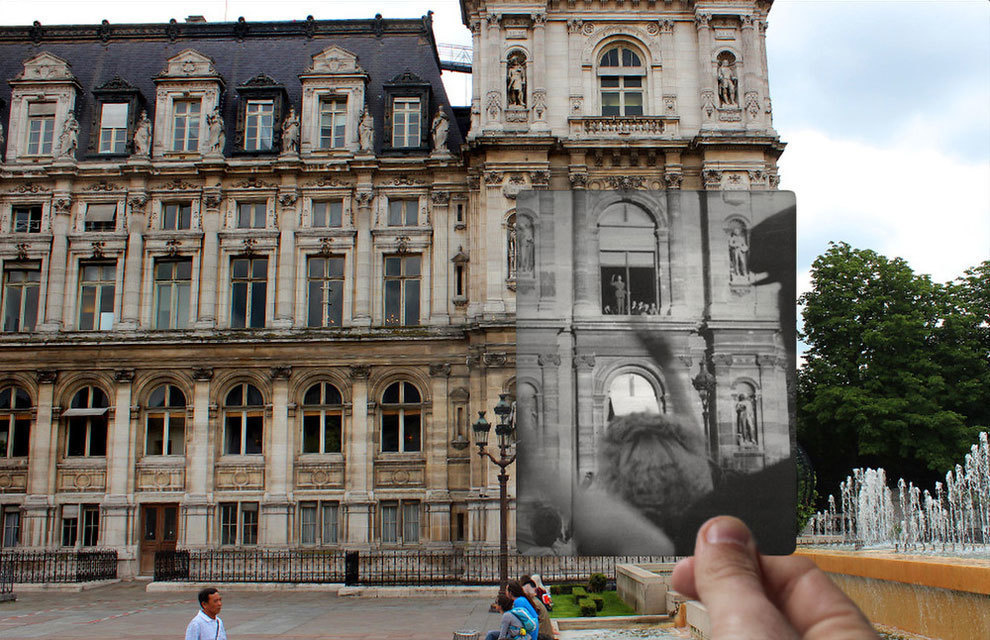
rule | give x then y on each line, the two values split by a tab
207	624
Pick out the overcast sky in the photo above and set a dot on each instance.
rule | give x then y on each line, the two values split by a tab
885	106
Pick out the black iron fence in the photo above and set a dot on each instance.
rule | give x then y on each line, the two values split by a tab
376	567
6	580
59	566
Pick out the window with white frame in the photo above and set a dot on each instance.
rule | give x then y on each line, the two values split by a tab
400	521
15	422
319	523
401	418
27	218
325	288
406	122
21	287
323	410
621	77
173	283
333	122
165	422
244	421
113	127
251	215
403	213
41	128
327	213
259	120
248	292
176	216
97	284
185	125
87	423
402	280
238	523
10	526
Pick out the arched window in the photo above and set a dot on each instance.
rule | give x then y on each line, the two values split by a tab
628	259
244	420
631	393
401	418
165	422
87	431
322	419
621	77
15	422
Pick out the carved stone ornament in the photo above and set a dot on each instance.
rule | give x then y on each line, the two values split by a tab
753	104
495	359
494	105
202	374
708	103
539	103
667	25
588	28
402	245
712	178
722	359
254	182
46	376
584	361
26	188
178	184
440	197
62	205
653	28
288	198
212	200
173	247
670	104
250	247
440	370
493	178
124	375
22	250
625	183
97	249
138	202
363	198
773	180
548	359
578	180
574	25
540	178
326	246
280	373
103	185
404	180
360	371
673	180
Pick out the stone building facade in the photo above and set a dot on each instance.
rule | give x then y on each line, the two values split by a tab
259	277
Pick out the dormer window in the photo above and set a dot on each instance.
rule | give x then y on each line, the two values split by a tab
620	75
117	104
41	128
113	128
405	122
185	125
261	106
407	98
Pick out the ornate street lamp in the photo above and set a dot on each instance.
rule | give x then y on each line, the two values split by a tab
503	430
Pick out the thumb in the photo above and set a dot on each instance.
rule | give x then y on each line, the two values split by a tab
729	584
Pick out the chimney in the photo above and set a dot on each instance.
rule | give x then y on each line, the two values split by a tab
195	19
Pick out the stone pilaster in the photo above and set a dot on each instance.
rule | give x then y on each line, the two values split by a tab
285	292
363	259
57	265
199	464
209	267
42	456
130	316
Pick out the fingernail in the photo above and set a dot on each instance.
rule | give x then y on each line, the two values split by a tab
727	531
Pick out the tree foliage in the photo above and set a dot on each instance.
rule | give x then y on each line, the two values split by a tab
897	371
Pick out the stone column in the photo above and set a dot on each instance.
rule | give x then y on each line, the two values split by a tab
359	447
585	296
118	506
275	505
285	294
539	104
585	366
476	82
206	317
435	447
36	531
57	263
441	253
681	268
364	256
491	253
668	79
493	76
199	465
764	80
749	76
130	319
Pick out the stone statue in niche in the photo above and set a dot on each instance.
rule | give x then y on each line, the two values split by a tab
217	136
526	256
440	129
290	132
142	135
738	253
366	131
515	81
68	140
745	422
728	82
2	139
512	249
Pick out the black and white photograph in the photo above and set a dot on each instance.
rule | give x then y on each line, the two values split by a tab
655	368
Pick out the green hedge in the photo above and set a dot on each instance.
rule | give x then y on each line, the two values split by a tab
588	607
599	602
579	593
597	582
560	589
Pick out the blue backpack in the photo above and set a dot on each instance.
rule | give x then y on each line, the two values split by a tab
526	618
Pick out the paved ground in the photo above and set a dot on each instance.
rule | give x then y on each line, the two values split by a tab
125	610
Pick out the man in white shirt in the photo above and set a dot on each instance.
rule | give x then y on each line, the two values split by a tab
207	624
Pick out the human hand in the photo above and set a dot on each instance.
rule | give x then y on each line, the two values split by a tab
750	596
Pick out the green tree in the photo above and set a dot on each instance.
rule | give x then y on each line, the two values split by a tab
891	368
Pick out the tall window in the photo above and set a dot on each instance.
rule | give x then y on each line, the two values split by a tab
20	297
41	128
90	529
401	418
10	526
251	215
318	522
403	213
90	526
627	237
101	216
244	412
400	521
176	216
326	291
173	280
249	291
259	118
15	422
113	127
27	219
402	290
333	123
96	295
239	523
620	74
405	122
327	213
322	419
166	422
185	125
87	414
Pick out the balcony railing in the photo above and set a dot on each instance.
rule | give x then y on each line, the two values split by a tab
58	566
375	567
622	126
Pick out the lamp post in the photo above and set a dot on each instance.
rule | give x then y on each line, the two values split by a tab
506	425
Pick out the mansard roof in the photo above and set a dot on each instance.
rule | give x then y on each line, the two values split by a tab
240	52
